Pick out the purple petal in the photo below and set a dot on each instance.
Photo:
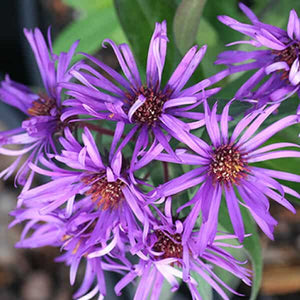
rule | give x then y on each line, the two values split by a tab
208	230
265	134
136	105
117	136
212	124
235	213
92	148
279	174
274	155
256	124
179	102
157	54
277	66
250	83
185	76
131	63
128	278
224	123
122	62
114	74
279	199
248	12
294	75
177	74
293	25
269	40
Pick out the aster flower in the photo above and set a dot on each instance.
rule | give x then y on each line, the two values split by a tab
104	194
38	131
79	241
227	167
164	257
148	106
280	60
74	237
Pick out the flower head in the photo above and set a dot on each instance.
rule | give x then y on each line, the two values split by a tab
226	167
99	193
163	256
280	61
38	132
76	239
149	106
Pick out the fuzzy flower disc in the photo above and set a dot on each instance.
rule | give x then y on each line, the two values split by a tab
107	194
227	165
151	109
170	245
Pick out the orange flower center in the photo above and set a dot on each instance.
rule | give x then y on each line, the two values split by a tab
227	165
170	245
104	193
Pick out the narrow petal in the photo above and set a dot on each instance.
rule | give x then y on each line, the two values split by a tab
277	66
256	124
293	19
208	230
235	213
265	134
179	101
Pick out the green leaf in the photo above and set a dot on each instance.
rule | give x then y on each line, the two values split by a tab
166	293
253	247
88	5
204	289
207	35
251	244
138	18
91	30
186	23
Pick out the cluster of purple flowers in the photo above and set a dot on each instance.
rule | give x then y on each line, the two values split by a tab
100	204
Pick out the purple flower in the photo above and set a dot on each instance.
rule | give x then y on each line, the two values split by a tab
102	194
74	236
163	256
280	60
37	133
148	106
227	167
78	242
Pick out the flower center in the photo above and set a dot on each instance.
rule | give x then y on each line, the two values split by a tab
150	111
170	245
46	107
42	107
227	165
288	55
107	194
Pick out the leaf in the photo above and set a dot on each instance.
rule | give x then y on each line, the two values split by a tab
251	244
166	293
253	247
207	35
88	5
204	289
186	23
91	29
138	18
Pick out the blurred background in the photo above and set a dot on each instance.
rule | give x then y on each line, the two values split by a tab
33	274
